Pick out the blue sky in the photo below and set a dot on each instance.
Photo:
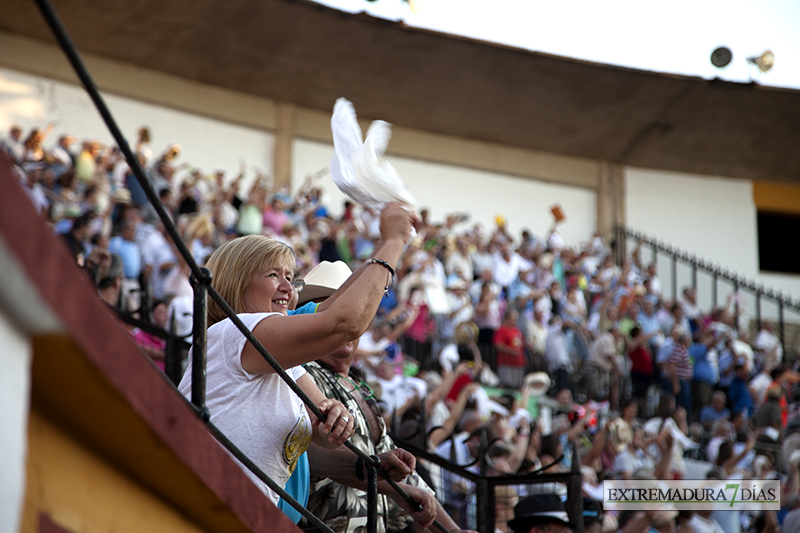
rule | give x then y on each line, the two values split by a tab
676	36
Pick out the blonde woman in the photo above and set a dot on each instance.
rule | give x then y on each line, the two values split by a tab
246	399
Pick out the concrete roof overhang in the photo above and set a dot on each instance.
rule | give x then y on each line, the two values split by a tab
300	52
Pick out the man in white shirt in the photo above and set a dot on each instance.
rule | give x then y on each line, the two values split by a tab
460	307
507	265
604	354
60	152
769	347
13	145
689	303
655	282
158	254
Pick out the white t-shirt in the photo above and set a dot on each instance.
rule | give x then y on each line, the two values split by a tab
729	521
399	390
760	384
156	252
506	272
449	357
259	413
766	342
463	456
603	350
631	462
704	525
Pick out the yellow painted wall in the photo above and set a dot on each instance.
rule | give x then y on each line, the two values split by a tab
83	494
776	197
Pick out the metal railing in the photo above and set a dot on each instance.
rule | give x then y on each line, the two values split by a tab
201	282
679	269
486	479
175	348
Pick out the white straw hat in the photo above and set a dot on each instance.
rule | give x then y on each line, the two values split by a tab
323	280
538	382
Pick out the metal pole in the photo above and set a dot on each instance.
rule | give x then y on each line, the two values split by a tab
623	250
199	343
714	288
172	362
694	273
372	494
736	304
485	518
758	308
485	515
674	274
780	322
575	493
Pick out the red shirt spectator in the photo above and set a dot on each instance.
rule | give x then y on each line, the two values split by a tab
509	342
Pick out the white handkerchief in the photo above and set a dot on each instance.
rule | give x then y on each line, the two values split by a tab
356	167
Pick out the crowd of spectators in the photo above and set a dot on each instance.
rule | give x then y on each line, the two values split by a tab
645	385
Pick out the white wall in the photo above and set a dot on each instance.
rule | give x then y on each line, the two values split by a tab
446	189
15	360
714	218
208	144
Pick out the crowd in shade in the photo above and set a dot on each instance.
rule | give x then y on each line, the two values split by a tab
641	385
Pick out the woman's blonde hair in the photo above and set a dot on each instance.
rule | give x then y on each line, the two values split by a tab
233	264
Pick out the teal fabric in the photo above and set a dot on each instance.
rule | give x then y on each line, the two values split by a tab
297	487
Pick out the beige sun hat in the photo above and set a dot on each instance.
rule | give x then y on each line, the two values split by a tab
620	433
466	332
538	382
323	280
122	196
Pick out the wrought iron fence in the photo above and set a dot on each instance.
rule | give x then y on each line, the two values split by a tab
175	347
753	303
469	492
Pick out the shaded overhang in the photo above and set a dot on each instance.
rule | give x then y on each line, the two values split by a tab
308	54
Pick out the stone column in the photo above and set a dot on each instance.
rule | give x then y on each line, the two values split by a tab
610	198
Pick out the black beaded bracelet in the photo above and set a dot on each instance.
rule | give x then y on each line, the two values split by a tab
373	261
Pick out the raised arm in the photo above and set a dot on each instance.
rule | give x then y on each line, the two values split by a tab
443	388
299	339
440	434
597	447
730	464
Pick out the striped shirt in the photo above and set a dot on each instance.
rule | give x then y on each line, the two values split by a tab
680	357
